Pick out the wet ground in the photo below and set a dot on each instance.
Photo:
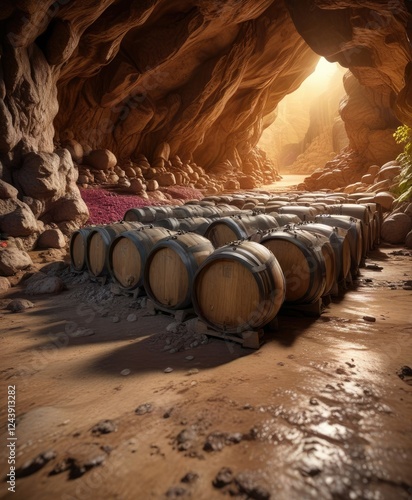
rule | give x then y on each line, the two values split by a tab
322	410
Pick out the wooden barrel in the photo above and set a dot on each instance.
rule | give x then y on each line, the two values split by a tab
285	219
302	261
211	212
196	225
354	234
144	214
128	254
78	248
98	243
163	212
239	287
188	211
227	229
338	238
228	210
171	267
360	212
304	213
171	223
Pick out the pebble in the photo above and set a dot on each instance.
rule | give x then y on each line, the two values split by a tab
190	478
313	401
189	358
223	478
131	318
125	372
143	409
115	319
375	267
168	370
193	371
104	427
19	305
371	319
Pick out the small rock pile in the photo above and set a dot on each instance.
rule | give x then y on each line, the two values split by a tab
347	172
141	176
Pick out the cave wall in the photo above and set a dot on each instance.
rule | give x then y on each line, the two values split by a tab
204	76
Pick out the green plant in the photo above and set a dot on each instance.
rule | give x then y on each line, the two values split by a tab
403	134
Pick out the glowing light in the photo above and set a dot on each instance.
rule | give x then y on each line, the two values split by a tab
324	71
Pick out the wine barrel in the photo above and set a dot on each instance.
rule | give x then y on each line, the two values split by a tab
196	225
239	287
171	223
185	211
98	243
304	213
163	212
211	212
360	212
78	248
171	267
338	238
227	229
128	254
285	219
144	214
301	257
354	229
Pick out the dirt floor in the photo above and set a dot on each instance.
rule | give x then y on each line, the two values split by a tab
111	405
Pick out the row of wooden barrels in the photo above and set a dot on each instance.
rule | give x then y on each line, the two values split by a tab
236	270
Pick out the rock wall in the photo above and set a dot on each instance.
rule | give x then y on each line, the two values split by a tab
204	77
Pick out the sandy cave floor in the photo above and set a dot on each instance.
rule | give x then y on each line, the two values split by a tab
323	410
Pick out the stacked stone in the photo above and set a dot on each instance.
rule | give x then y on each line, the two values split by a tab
141	176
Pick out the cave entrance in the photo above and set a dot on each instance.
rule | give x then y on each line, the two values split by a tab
308	130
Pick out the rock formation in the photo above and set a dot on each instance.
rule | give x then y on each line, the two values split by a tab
203	77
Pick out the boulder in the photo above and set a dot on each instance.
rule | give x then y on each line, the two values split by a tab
17	219
373	170
19	305
232	185
136	185
44	284
4	284
152	185
408	240
51	238
39	176
101	159
385	199
367	179
166	179
389	172
247	182
395	228
12	260
75	149
7	190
